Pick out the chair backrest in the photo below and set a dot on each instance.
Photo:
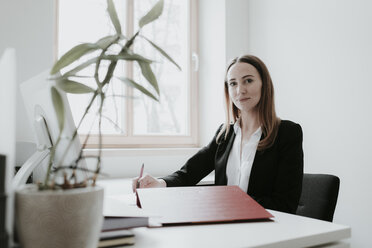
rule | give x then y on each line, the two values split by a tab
319	196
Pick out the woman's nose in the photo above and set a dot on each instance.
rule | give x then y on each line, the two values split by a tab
242	89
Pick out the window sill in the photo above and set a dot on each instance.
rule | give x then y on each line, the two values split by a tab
121	163
117	152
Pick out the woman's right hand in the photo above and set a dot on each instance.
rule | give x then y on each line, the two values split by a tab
147	181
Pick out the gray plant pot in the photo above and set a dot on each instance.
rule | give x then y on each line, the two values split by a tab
70	218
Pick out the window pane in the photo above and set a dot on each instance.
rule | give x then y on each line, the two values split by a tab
83	21
87	21
169	32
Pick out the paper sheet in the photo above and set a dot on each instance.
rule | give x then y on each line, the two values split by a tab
123	206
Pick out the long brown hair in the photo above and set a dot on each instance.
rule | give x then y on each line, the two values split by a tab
266	106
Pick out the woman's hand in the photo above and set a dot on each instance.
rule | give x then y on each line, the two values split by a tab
147	181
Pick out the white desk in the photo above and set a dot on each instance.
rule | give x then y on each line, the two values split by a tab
285	231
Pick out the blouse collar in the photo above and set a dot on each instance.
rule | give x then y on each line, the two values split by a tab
238	129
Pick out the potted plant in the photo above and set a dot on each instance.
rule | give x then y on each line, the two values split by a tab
69	213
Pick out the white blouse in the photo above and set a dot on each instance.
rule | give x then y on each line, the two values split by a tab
238	169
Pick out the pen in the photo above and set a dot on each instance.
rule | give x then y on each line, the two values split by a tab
141	173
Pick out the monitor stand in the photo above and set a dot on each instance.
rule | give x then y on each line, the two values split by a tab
28	167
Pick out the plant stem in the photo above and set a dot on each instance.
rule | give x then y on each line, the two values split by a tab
98	166
85	141
113	123
73	168
98	91
96	73
50	162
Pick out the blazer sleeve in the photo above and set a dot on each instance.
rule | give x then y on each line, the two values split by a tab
196	168
288	184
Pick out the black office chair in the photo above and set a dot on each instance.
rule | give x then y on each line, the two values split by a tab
319	196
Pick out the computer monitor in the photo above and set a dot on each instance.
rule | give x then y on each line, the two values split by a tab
36	94
8	93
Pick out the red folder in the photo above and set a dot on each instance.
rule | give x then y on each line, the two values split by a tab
200	204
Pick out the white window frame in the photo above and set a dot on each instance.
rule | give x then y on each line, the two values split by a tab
129	140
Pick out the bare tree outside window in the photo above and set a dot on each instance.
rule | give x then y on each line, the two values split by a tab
124	119
168	117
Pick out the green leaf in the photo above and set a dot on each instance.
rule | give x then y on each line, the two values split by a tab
126	56
163	53
137	86
109	73
113	16
153	14
80	67
58	107
106	41
73	87
72	55
62	77
149	75
129	43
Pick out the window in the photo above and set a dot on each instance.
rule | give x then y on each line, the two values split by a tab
136	120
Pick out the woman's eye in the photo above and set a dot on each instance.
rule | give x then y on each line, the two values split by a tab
249	80
232	83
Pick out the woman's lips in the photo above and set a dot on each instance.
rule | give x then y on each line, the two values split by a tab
244	99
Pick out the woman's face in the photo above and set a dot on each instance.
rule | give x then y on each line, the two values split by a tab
244	85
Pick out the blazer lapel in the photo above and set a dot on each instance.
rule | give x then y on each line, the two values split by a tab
258	159
221	159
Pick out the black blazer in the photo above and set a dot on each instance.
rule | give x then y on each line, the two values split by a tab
276	176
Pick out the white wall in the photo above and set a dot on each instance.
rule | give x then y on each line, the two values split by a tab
319	54
237	39
27	26
219	42
212	51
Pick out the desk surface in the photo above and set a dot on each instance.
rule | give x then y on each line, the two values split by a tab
284	231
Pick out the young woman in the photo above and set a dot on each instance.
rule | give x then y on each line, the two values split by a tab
254	149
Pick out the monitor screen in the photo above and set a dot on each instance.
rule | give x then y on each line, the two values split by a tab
36	94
